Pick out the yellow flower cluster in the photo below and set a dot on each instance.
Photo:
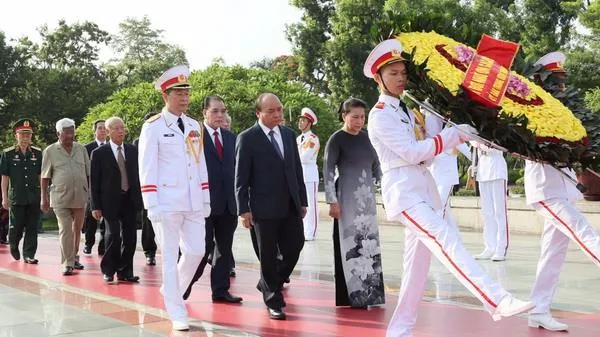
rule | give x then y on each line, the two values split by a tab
551	119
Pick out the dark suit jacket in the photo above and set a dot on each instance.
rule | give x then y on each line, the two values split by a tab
221	173
91	146
106	180
264	183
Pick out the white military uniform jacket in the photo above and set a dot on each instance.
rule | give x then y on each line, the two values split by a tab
308	147
491	163
406	180
544	182
173	174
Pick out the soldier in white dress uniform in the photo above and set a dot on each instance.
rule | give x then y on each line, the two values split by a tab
308	147
410	196
492	176
174	183
553	197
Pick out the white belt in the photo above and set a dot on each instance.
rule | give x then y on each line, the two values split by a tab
396	163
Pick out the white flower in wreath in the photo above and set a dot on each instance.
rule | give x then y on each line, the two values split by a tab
361	266
369	248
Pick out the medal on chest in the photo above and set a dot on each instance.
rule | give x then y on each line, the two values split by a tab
194	141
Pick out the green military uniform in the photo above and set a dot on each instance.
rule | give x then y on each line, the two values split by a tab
23	170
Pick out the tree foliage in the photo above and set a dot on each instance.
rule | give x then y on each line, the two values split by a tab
238	86
142	53
334	37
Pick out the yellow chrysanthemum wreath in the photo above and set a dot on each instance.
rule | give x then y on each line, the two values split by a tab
548	117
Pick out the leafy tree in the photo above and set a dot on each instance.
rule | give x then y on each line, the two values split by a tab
71	46
61	77
142	52
309	38
238	86
12	67
592	100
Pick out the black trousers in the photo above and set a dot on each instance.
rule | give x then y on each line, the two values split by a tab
148	243
24	218
90	226
3	224
218	240
273	236
120	240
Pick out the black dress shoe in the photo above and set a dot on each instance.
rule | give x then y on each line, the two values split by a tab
78	266
108	278
30	260
232	272
3	242
131	279
68	271
277	314
226	298
287	280
87	250
150	260
15	253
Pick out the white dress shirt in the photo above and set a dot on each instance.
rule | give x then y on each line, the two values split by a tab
114	146
211	132
277	135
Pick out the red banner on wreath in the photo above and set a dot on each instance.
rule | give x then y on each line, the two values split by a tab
486	81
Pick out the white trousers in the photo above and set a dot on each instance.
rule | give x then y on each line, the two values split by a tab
494	209
427	233
311	219
563	223
176	231
445	192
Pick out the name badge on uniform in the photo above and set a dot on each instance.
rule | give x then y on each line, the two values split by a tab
16	158
169	135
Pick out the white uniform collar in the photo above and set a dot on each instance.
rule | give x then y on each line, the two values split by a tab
307	133
171	117
387	99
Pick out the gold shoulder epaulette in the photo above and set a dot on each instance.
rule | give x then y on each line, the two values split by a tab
153	118
8	149
36	148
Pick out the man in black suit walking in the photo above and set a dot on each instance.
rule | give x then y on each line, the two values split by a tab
90	225
219	151
116	197
271	197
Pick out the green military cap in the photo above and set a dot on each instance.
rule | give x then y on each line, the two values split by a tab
23	125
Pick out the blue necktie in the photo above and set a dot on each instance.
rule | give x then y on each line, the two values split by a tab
274	142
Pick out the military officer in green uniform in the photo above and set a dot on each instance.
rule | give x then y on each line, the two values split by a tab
20	166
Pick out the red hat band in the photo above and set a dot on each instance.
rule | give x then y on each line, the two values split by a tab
309	117
170	82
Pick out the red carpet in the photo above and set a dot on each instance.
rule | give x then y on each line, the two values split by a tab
310	305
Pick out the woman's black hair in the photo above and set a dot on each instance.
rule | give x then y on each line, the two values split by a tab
208	99
349	104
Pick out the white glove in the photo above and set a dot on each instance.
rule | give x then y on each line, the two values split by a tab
466	132
206	210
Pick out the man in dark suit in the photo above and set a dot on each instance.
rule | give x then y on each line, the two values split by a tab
271	197
90	225
116	197
219	151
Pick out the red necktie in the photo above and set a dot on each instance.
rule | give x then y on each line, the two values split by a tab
218	145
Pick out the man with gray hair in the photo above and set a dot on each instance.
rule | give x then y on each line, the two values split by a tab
67	164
